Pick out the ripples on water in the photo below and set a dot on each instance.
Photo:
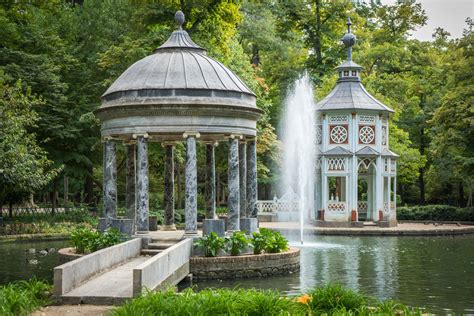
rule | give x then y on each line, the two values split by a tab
432	272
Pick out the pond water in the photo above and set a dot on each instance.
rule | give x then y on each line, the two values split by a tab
18	262
433	272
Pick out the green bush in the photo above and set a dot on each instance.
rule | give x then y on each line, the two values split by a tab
259	243
211	302
211	244
269	241
436	213
329	300
86	240
236	243
23	297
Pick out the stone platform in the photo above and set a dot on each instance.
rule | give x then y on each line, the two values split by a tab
402	229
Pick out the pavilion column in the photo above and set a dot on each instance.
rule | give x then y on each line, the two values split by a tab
210	182
130	176
190	209
243	179
233	219
142	184
169	188
251	179
110	182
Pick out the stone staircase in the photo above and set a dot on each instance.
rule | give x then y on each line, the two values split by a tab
158	244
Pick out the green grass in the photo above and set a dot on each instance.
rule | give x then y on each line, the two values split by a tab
328	300
23	297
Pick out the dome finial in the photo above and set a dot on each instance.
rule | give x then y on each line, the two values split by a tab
179	18
349	39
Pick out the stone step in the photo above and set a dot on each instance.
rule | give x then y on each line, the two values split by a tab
160	245
150	252
370	224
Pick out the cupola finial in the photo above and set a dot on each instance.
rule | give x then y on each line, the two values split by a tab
349	39
179	18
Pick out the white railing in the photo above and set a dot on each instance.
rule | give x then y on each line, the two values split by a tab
362	206
336	206
289	202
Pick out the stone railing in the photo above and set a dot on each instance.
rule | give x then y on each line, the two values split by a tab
274	206
336	206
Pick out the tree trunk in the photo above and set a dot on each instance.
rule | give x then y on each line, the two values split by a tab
10	209
461	194
66	192
317	42
421	177
89	188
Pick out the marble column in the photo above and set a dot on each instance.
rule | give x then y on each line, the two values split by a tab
190	209
110	182
252	179
130	175
210	182
169	188
243	178
233	202
142	184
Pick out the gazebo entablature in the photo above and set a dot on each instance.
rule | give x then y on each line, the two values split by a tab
179	94
353	137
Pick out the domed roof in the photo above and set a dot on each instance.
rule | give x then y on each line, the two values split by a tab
177	64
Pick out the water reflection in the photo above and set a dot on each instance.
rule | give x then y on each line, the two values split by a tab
435	272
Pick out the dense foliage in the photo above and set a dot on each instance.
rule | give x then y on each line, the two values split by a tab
436	213
47	223
23	297
329	300
270	241
236	243
58	57
86	240
211	244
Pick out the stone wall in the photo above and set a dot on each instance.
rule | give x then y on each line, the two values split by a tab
246	266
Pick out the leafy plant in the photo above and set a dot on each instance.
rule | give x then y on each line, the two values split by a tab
237	242
259	242
87	240
274	242
333	298
23	297
211	244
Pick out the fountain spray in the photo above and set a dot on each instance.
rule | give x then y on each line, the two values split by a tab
298	134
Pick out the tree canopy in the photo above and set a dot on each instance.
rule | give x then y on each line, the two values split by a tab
58	57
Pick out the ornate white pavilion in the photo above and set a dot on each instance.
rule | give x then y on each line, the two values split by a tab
356	171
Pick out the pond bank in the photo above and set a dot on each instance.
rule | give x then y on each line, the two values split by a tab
34	237
403	229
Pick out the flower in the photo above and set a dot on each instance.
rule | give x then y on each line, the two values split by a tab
305	299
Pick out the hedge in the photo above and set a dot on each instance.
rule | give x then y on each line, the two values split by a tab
436	213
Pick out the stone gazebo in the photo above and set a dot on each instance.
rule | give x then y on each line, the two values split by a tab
356	175
180	94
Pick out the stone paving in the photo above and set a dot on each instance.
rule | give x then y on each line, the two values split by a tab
407	229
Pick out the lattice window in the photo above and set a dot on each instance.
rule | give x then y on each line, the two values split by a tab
384	120
339	119
367	119
385	163
366	134
392	166
336	164
384	135
319	134
339	134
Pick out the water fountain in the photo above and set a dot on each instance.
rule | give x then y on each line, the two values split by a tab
298	135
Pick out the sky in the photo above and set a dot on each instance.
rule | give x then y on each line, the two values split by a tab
448	14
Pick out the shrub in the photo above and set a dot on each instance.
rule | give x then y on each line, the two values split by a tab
259	243
87	240
334	298
236	243
435	213
211	302
275	242
211	244
23	297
